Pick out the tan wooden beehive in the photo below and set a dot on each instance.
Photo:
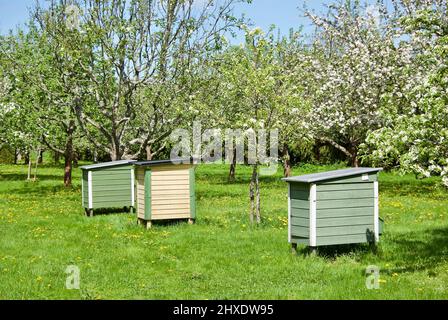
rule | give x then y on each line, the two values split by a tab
165	191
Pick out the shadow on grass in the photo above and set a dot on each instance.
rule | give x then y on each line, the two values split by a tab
335	251
33	189
419	251
24	176
422	250
109	211
169	223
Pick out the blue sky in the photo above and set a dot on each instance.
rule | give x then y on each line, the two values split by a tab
285	14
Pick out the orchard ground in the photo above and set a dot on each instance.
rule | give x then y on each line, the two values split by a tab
43	230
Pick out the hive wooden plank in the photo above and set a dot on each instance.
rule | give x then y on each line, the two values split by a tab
171	216
300	213
300	194
167	207
345	221
173	187
112	204
299	231
301	222
345	186
175	201
300	240
177	177
344	230
170	192
345	203
345	239
119	192
167	173
165	182
160	212
344	212
344	194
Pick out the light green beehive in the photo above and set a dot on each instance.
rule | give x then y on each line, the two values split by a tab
108	185
336	207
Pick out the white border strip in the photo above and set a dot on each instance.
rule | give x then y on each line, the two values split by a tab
82	187
376	210
132	187
90	190
289	213
313	214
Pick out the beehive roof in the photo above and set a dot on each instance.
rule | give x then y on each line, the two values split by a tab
160	162
330	175
108	164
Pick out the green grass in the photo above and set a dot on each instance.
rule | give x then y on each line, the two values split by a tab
43	230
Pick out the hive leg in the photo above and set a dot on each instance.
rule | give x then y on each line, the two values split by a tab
373	246
131	210
148	225
313	251
190	221
294	248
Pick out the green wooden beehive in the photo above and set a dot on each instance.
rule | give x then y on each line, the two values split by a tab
108	185
336	207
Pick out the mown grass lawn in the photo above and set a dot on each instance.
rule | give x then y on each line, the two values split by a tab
43	230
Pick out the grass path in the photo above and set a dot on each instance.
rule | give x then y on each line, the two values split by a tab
43	230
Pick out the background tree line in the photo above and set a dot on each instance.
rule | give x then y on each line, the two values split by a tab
369	87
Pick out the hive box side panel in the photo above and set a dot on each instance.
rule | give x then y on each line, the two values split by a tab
85	189
170	192
112	187
140	191
345	212
299	194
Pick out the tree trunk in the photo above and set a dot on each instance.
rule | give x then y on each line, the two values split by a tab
115	154
29	168
286	161
39	154
354	156
355	160
148	153
40	158
56	157
27	157
257	195
16	156
232	167
254	195
75	159
68	158
317	154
